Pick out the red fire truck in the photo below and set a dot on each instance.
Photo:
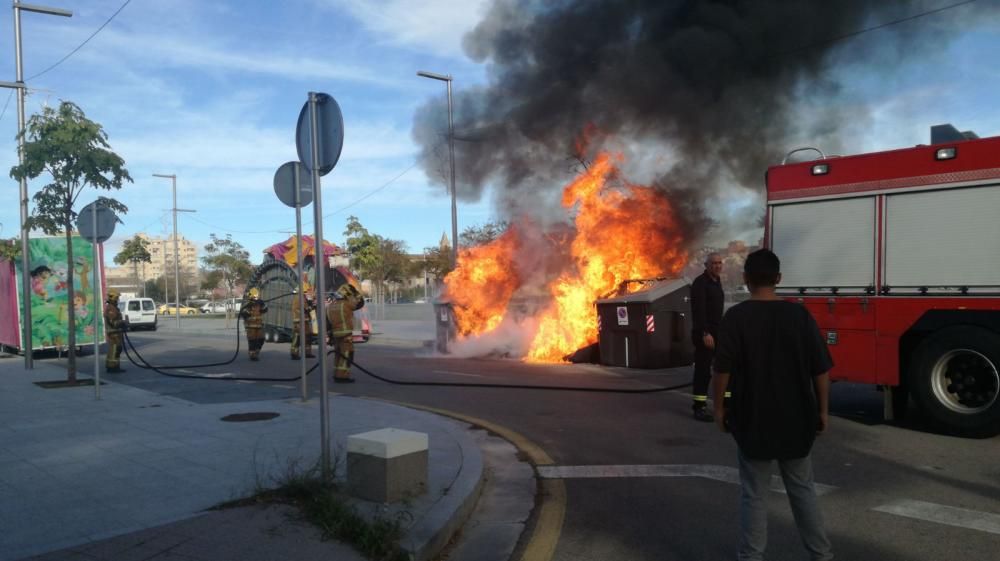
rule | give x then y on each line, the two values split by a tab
897	256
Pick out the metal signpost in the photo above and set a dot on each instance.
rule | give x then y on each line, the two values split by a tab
319	138
293	186
96	223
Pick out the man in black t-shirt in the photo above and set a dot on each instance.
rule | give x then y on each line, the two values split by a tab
771	356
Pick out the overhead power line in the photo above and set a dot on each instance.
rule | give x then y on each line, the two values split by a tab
873	28
87	40
376	190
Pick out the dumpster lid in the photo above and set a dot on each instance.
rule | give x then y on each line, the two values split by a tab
651	293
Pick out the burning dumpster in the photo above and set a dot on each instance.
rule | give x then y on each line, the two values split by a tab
649	328
444	322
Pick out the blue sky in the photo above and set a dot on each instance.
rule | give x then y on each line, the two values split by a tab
210	91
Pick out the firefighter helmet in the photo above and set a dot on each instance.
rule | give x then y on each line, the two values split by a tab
254	293
113	295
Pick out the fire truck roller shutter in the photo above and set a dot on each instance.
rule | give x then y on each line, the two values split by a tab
807	234
943	240
955	379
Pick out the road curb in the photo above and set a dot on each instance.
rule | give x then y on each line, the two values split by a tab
551	508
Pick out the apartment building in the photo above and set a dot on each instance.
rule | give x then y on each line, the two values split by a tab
161	251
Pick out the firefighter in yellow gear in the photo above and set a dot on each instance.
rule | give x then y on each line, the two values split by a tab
340	320
307	320
253	322
113	326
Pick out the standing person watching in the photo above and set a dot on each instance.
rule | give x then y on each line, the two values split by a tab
706	314
113	325
771	356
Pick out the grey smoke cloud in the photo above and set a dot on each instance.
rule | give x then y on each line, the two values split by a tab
712	86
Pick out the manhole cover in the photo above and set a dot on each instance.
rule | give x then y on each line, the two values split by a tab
247	417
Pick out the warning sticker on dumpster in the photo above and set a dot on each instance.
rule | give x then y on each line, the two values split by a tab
622	315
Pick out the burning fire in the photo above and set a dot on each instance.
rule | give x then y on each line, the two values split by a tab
621	231
482	284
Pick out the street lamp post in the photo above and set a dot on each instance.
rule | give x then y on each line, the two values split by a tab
177	278
446	78
19	86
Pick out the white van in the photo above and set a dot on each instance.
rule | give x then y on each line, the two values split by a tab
139	313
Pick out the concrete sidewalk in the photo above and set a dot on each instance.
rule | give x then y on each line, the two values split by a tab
129	476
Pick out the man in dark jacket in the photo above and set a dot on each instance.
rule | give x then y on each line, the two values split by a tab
706	314
773	358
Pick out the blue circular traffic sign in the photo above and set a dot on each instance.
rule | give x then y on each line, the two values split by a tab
329	134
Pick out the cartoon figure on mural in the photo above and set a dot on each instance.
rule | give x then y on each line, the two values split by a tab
39	278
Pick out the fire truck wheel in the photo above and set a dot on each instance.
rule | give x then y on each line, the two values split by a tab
957	379
268	336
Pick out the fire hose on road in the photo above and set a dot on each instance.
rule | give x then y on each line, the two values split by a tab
141	362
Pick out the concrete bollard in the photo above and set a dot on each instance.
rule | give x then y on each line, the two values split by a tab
387	465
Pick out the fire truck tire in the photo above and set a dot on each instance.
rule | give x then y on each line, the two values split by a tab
956	379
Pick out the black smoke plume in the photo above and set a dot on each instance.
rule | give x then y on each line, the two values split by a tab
701	95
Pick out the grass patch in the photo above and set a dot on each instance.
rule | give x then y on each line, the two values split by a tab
327	507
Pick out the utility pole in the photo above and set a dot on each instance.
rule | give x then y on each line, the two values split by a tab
447	79
19	86
177	277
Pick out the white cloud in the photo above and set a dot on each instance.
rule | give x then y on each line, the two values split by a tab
433	25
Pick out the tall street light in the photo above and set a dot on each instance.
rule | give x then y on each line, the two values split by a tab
19	86
177	277
446	78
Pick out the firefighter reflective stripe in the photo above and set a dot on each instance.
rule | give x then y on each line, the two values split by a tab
700	397
650	324
598	322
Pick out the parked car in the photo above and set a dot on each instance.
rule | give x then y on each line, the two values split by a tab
213	308
171	309
138	313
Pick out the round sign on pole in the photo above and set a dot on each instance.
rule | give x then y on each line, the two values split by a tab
330	125
99	224
285	183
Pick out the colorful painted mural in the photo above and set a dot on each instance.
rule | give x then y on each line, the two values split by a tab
50	296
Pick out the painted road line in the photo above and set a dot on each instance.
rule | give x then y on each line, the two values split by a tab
245	382
282	386
724	474
942	514
453	373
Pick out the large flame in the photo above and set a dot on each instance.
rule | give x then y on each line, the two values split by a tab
621	232
481	286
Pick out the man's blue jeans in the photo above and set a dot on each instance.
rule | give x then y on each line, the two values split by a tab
797	474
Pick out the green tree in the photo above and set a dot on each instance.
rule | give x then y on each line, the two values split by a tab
74	152
228	261
482	235
378	259
134	251
153	288
10	249
438	261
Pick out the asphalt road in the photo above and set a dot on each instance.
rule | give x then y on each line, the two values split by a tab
893	492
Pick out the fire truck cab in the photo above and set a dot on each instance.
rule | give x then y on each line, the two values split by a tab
897	256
